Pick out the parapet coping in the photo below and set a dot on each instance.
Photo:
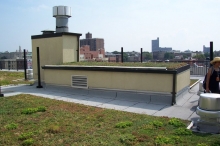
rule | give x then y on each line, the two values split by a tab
162	70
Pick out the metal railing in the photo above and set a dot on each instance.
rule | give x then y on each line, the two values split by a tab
197	67
14	64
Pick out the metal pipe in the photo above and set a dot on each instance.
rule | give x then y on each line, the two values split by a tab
78	49
25	66
141	55
1	95
174	89
17	64
211	52
122	57
38	69
9	65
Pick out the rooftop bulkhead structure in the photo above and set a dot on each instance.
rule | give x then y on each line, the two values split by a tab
56	47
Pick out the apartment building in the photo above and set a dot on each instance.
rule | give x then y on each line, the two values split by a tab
94	43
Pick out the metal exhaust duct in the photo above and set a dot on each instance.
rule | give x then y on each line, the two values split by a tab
62	13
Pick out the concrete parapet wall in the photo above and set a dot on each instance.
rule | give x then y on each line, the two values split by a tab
131	81
152	86
113	80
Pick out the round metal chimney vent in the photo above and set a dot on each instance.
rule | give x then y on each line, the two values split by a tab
209	101
62	13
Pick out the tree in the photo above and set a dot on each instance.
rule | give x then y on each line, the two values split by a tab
147	56
207	54
125	57
116	52
168	55
199	57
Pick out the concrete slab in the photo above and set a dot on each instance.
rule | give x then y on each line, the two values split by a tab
48	96
160	99
194	98
194	117
65	89
133	96
74	100
175	111
118	104
95	101
76	91
40	93
58	89
7	91
184	98
195	89
12	94
43	95
190	105
31	90
59	94
144	108
16	88
63	99
102	93
77	97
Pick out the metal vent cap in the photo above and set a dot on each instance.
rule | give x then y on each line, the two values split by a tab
61	11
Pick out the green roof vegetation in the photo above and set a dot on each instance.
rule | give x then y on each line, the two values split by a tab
168	65
65	123
15	78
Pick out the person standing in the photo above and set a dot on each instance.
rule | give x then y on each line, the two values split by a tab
212	80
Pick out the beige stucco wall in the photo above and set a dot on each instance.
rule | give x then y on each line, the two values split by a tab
54	51
117	80
50	53
182	80
70	47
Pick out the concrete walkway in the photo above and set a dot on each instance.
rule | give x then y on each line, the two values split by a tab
184	109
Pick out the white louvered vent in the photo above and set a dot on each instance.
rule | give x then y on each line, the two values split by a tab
79	81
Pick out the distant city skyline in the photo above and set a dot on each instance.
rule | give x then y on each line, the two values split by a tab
130	24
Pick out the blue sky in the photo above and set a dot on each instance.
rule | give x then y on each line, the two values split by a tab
132	24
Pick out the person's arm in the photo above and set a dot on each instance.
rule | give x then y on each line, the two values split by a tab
208	79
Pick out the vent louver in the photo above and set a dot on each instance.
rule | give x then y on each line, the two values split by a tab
79	81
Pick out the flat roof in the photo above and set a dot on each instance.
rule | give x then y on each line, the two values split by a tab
54	35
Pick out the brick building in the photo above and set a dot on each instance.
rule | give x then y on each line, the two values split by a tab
87	54
94	43
13	64
113	57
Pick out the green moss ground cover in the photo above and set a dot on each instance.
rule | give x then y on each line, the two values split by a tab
7	78
170	65
32	120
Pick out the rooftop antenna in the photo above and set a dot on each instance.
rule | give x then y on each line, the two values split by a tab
62	13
